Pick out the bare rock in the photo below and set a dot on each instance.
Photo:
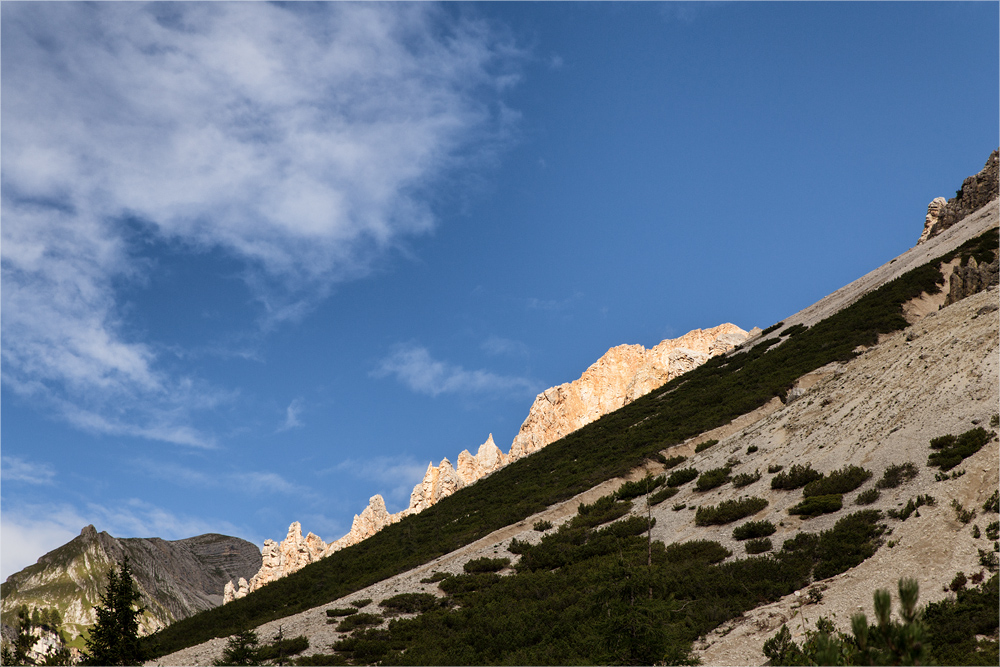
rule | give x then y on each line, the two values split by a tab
976	192
934	211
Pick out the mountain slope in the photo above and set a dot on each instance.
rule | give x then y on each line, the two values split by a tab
176	578
844	326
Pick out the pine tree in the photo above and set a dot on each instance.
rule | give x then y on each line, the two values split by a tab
114	640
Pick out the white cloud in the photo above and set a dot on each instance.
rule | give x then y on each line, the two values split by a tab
14	469
301	139
27	532
247	482
497	345
413	366
292	413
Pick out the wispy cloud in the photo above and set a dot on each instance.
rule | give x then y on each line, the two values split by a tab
298	138
247	482
14	469
292	413
497	345
552	305
414	367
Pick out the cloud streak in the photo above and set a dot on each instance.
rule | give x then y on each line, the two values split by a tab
413	366
301	139
15	469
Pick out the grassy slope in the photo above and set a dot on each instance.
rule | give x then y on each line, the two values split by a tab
707	397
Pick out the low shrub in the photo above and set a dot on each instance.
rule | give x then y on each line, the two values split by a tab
674	461
467	583
484	564
355	621
516	546
342	611
952	450
678	507
711	479
746	479
759	545
816	505
411	603
362	603
852	540
795	477
728	511
706	551
993	530
958	583
640	487
993	504
962	514
282	648
911	506
773	327
794	330
867	497
705	445
681	477
840	481
438	576
953	625
774	468
663	494
541	525
752	529
988	559
751	449
897	475
600	511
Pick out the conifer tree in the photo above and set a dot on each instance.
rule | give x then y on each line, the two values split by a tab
114	640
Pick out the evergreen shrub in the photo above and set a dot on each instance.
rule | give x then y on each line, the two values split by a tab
758	545
795	477
897	475
705	445
841	481
681	477
663	494
815	505
952	450
728	511
745	479
753	529
711	479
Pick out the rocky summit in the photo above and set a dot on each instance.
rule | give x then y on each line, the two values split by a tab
176	578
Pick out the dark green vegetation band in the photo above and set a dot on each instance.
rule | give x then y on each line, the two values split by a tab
711	395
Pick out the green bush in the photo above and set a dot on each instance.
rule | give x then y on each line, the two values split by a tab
728	511
993	530
678	507
342	611
953	626
745	479
816	505
771	469
705	551
362	603
484	564
674	461
681	477
993	503
840	481
795	477
541	525
958	582
600	511
751	449
465	583
773	327
962	514
639	487
705	445
663	494
361	620
758	545
897	475
911	506
411	603
867	497
281	648
952	450
711	479
794	330
753	529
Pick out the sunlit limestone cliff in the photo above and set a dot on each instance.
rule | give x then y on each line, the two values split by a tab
622	375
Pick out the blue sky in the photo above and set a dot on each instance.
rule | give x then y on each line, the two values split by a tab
261	262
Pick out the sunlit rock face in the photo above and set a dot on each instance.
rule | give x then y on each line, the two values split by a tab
622	375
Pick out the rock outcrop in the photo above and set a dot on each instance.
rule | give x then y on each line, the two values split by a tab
976	192
176	579
622	375
972	278
619	377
